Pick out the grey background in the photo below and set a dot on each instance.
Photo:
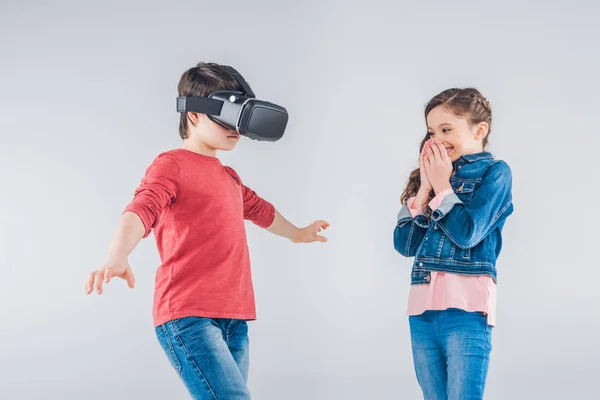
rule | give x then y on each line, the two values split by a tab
87	101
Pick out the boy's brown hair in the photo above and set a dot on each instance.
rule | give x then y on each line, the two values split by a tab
202	80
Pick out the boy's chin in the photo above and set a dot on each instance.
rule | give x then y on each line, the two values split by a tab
227	147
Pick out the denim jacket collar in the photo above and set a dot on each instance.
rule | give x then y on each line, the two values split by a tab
470	158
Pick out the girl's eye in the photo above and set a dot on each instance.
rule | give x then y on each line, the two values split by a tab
446	130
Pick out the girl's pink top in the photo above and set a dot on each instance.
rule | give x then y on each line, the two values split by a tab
449	290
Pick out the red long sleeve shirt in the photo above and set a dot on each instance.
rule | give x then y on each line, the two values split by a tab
196	208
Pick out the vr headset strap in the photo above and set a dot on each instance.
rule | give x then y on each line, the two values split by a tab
240	79
202	105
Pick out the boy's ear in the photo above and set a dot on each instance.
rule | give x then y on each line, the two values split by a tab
195	117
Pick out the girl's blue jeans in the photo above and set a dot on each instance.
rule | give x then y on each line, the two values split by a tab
451	353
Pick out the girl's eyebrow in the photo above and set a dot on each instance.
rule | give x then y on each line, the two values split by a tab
442	124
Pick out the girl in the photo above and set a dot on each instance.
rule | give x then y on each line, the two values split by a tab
454	208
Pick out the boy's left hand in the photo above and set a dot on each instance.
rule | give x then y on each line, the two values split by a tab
310	233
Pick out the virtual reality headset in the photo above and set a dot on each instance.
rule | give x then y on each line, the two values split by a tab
239	111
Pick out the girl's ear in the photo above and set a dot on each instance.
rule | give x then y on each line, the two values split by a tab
482	130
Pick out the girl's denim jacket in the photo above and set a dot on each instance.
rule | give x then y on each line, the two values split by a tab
464	234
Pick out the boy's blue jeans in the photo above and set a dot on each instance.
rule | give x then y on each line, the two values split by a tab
209	354
451	353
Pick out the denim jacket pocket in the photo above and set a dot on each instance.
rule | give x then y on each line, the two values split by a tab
464	190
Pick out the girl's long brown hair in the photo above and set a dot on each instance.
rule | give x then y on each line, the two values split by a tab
468	103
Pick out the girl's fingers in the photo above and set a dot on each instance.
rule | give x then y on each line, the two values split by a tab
426	148
429	159
436	152
443	152
422	165
428	155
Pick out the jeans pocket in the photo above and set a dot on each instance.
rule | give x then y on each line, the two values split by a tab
198	336
162	334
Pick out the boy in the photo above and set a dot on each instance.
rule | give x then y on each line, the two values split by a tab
196	207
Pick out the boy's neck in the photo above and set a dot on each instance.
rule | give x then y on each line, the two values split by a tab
199	148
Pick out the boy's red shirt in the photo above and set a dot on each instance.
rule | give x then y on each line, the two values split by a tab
196	208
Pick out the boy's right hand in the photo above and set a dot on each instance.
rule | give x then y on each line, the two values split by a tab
115	268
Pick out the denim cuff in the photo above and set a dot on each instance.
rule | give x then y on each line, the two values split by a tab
447	204
404	213
422	221
404	216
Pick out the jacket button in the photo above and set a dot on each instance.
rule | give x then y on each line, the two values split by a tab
426	238
420	264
